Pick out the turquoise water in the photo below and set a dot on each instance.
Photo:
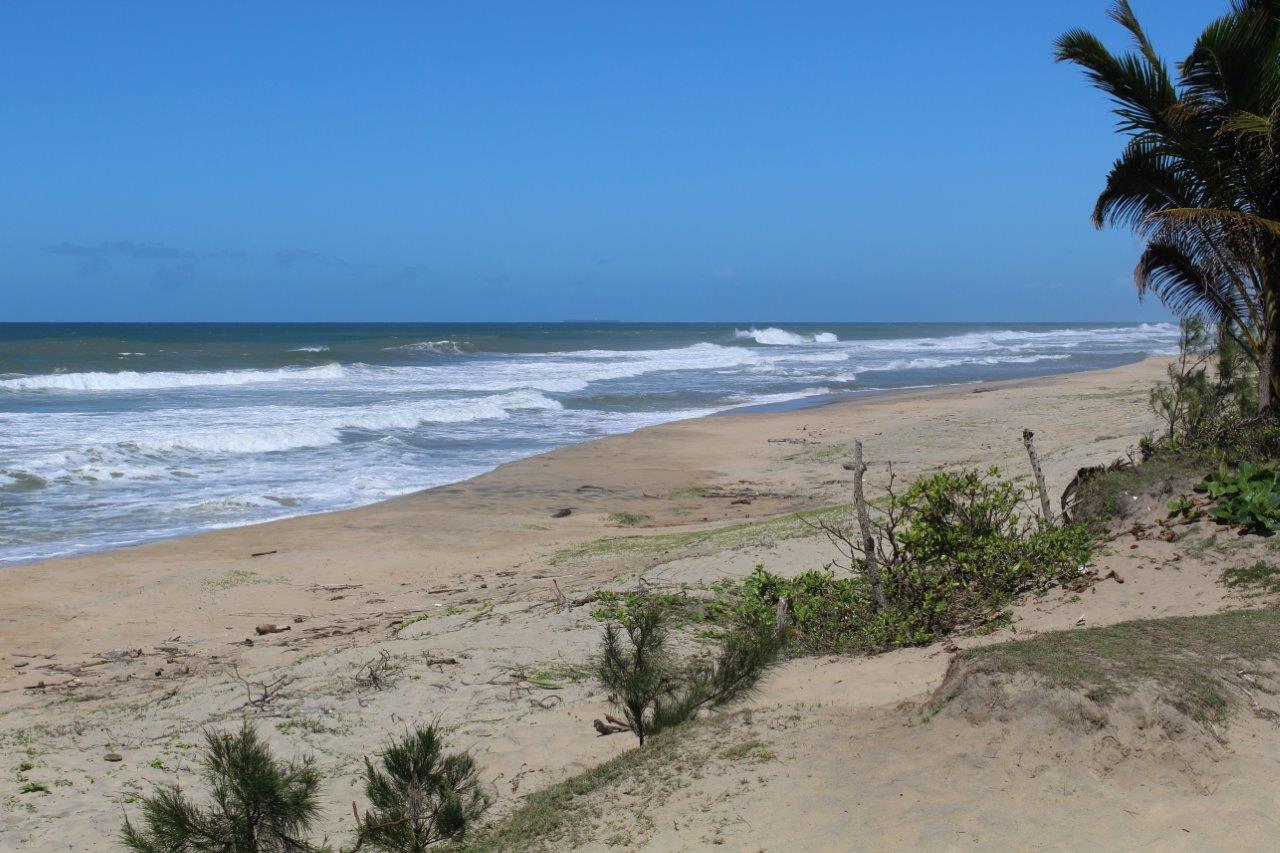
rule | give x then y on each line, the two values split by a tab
112	434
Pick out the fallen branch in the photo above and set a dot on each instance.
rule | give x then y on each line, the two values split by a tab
260	693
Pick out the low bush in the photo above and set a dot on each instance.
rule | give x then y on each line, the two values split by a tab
657	691
259	803
622	607
953	550
1209	403
419	795
1248	496
1210	383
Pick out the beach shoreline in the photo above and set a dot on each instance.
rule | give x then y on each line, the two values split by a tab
814	401
118	437
676	478
477	600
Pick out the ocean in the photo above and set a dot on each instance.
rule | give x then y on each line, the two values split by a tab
113	434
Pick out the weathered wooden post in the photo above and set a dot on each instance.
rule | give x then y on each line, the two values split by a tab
1028	438
864	523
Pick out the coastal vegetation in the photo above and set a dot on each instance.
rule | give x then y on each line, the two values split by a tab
656	691
419	796
1197	179
259	803
1196	661
950	551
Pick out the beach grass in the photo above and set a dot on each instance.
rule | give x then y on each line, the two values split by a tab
555	817
1185	656
791	526
1108	496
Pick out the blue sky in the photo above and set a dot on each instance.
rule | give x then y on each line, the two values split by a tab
543	161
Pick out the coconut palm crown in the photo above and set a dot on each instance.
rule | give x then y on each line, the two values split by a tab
1198	179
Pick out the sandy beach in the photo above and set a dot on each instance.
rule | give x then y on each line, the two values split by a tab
457	596
211	590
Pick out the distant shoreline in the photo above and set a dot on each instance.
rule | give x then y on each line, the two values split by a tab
792	405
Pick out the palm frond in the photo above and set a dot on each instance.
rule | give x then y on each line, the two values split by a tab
1191	284
1141	91
1143	181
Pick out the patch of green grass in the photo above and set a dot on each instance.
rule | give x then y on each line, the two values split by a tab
627	519
1135	395
1185	656
33	788
306	724
1261	578
677	607
1109	496
770	530
753	751
553	817
567	672
829	453
239	577
412	620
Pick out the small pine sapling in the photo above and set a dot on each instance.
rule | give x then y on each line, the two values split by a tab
420	795
260	803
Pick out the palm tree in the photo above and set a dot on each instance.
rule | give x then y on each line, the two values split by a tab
1198	179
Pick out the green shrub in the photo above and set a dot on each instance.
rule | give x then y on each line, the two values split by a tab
1209	403
260	804
1210	382
655	691
622	607
1248	496
953	550
420	795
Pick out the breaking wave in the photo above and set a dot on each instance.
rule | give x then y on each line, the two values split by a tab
131	380
96	458
434	348
775	337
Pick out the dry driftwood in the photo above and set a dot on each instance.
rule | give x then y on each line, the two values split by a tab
864	525
260	694
612	727
1028	438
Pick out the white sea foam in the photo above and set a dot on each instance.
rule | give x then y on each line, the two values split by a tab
270	429
103	465
436	347
131	380
1138	337
785	397
773	336
317	348
930	363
